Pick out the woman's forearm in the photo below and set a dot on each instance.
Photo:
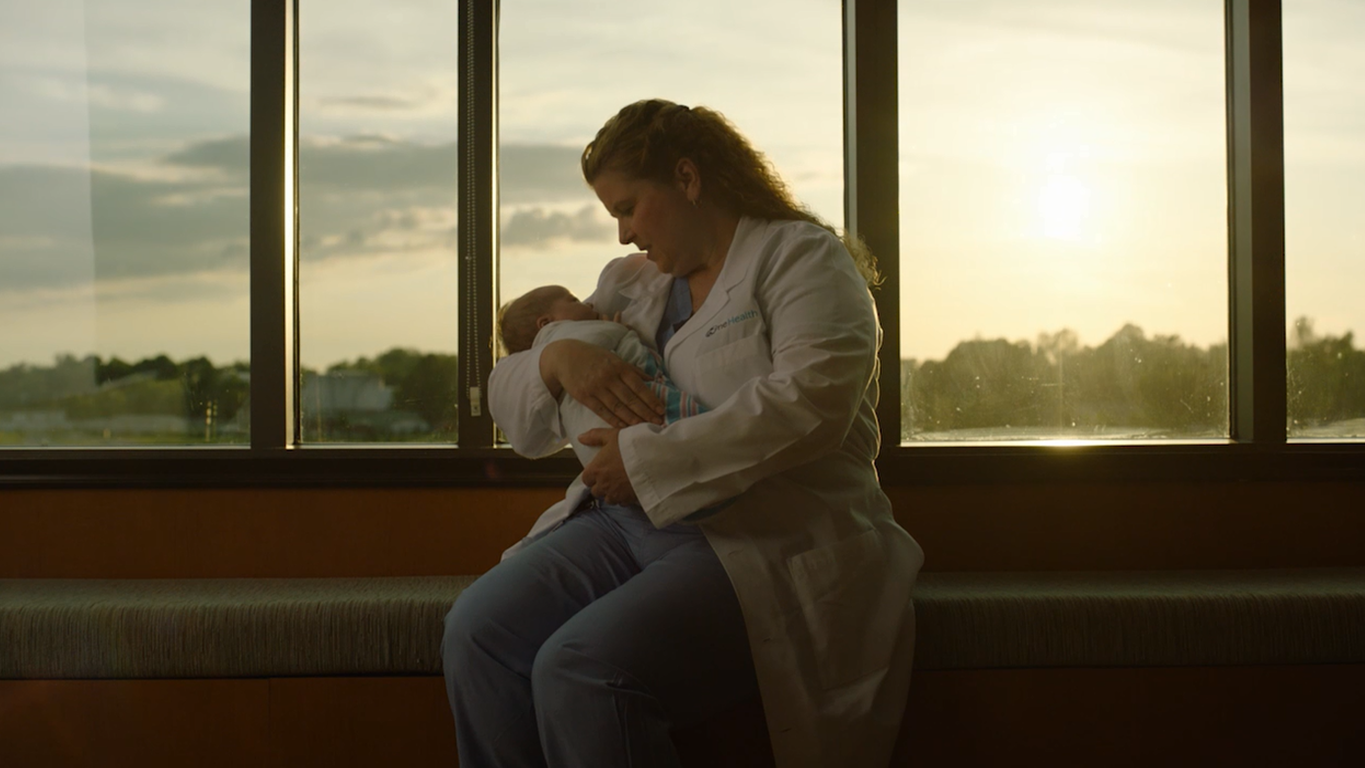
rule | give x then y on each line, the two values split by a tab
599	379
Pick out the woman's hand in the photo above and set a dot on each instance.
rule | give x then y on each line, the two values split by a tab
609	318
609	386
606	474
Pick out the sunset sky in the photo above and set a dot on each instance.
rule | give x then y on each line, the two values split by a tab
1062	163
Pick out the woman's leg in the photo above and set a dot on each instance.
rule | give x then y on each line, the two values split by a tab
498	624
666	649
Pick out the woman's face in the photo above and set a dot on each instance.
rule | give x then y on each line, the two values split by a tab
656	218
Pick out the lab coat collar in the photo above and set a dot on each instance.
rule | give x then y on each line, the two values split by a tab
738	261
647	293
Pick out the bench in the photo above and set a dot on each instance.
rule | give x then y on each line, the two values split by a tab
272	628
194	628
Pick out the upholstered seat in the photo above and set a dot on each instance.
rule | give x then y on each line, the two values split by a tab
206	628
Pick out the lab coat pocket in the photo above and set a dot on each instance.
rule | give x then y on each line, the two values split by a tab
730	366
852	628
754	345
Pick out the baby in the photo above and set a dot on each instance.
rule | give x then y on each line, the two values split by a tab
550	313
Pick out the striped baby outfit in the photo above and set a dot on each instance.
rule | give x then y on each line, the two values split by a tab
677	403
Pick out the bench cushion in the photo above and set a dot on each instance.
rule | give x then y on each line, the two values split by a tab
197	628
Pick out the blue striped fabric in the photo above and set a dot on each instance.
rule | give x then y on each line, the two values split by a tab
677	403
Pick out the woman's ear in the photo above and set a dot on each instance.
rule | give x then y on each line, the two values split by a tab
688	179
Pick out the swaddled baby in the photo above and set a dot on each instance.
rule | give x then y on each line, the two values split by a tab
550	313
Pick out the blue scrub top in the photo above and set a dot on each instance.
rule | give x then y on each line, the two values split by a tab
677	312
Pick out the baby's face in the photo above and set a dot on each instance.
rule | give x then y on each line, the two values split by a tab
567	307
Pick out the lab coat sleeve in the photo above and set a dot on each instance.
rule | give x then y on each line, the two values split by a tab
823	337
523	407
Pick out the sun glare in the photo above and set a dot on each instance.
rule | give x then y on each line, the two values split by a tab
1064	206
1063	199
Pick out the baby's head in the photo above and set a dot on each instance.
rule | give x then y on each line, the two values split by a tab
521	319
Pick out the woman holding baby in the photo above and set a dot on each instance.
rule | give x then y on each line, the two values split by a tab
745	550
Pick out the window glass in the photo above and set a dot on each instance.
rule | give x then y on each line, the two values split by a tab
772	67
1063	225
1324	135
124	315
378	272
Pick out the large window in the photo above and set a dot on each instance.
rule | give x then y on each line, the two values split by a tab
1063	260
1324	116
378	278
288	230
123	228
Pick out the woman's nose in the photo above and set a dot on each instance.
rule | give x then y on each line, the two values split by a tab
623	232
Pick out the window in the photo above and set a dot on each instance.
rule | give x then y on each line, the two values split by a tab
1324	106
123	233
1063	259
284	234
378	270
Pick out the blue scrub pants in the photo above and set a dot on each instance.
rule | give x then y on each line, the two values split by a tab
589	646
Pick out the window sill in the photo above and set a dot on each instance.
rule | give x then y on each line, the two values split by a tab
448	466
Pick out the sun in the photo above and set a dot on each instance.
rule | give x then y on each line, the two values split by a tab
1063	206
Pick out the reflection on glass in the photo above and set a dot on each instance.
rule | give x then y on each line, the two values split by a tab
1324	135
123	233
378	282
772	67
1063	220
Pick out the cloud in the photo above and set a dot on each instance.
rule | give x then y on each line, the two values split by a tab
528	173
541	173
380	103
539	229
359	196
231	155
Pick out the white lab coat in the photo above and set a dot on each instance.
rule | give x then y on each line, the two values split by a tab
784	354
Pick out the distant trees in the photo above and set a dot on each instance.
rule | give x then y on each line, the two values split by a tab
1131	385
140	398
423	384
404	395
1326	377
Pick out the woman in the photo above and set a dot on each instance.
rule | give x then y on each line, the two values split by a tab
749	548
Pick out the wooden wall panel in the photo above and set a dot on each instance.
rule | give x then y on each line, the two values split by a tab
1301	716
1137	526
133	723
286	533
1195	717
415	532
360	722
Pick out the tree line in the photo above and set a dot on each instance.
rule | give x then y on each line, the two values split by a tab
1131	384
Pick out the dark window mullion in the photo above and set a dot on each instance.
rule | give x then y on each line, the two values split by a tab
1256	278
871	176
477	216
273	289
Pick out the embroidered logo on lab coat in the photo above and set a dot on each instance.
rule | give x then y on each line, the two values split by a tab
735	320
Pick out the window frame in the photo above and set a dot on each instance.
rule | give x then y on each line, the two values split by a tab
1257	448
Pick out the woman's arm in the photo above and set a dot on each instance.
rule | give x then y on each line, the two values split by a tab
525	389
823	336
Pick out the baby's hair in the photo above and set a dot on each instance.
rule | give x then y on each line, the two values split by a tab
517	320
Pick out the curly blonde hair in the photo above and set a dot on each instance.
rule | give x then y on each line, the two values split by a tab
645	140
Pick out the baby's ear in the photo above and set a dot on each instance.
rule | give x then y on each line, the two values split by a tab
543	321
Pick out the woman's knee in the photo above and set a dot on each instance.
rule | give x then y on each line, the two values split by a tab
568	670
561	673
467	615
